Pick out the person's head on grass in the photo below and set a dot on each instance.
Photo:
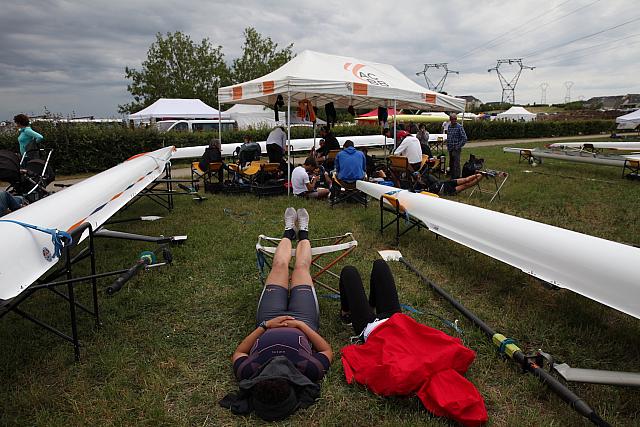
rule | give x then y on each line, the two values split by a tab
274	399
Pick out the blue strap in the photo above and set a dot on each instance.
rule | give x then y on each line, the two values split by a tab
392	192
56	235
505	343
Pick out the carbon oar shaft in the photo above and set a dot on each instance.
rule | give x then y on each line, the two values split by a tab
516	354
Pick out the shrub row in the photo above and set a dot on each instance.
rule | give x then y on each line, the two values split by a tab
83	148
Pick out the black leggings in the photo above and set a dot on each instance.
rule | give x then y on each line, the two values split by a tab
383	296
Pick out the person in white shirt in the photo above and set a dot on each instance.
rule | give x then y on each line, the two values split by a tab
277	144
302	185
410	148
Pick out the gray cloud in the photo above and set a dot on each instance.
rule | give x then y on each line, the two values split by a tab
70	56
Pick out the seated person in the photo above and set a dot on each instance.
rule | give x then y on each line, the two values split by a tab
350	164
302	185
410	148
10	203
280	362
423	137
330	143
451	187
400	356
212	154
248	151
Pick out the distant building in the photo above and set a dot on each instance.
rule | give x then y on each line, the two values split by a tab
473	103
615	102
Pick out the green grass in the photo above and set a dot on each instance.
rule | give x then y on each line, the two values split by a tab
162	354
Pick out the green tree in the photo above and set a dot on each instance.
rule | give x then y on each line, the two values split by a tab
177	67
260	55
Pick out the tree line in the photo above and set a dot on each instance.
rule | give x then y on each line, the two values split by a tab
178	67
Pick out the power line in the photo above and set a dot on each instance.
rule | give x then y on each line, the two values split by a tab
483	46
587	53
536	52
588	48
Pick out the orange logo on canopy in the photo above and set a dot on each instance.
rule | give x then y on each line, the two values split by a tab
430	98
370	77
237	92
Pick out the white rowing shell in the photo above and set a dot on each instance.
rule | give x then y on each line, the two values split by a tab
599	269
26	254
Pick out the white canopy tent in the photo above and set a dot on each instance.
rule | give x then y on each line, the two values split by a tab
345	81
629	121
177	108
517	114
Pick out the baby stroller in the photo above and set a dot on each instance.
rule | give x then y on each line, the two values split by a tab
32	179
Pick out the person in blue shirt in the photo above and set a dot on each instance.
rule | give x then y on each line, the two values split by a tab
10	203
27	137
350	164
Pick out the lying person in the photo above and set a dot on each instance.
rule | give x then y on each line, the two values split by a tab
280	362
450	187
402	357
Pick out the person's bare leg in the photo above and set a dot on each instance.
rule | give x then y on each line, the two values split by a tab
279	274
468	182
302	270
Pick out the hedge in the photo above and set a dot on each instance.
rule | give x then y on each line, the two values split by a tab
80	148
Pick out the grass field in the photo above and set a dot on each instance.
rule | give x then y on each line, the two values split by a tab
162	356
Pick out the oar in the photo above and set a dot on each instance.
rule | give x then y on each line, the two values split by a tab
507	346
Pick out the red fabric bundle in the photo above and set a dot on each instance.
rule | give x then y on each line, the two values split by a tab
402	357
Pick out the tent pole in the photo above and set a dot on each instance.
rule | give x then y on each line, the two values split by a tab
220	124
395	124
289	141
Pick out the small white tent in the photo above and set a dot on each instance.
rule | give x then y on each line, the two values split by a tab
176	108
517	114
629	121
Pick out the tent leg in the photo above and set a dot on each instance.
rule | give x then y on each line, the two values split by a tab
219	123
289	142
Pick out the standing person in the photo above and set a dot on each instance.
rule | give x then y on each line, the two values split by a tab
303	186
279	363
410	148
27	137
423	137
277	139
456	139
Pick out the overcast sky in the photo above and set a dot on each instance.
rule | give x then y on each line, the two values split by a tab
70	56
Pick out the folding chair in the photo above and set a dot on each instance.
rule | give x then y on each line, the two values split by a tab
268	180
498	178
633	166
527	156
401	172
342	245
213	178
241	179
391	204
343	191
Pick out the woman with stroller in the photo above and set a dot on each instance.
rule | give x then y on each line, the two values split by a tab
27	137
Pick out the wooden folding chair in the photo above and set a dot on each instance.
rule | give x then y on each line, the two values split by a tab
401	172
633	166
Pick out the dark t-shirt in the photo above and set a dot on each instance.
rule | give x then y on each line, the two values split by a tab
330	143
288	342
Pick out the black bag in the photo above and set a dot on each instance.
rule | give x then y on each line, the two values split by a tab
472	166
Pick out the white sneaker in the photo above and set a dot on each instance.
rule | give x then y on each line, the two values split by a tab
303	219
290	218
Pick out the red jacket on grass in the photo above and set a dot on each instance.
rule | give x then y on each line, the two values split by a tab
402	357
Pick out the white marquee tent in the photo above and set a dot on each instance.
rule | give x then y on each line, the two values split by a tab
517	114
321	78
176	108
629	121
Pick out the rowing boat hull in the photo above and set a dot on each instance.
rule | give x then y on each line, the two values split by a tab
623	146
599	269
25	254
576	156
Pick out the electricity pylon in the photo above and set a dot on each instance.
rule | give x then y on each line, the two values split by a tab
509	86
437	87
543	87
567	96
